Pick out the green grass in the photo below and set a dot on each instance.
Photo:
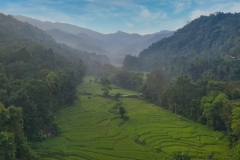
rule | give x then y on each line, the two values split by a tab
90	131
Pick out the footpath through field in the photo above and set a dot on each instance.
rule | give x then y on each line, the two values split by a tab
92	131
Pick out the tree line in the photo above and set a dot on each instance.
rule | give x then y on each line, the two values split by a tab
118	76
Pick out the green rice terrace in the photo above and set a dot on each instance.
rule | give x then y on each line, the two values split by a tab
94	130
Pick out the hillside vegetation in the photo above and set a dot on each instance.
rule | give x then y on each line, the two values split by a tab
95	130
36	81
207	44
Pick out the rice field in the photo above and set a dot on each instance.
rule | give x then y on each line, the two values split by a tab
91	131
90	86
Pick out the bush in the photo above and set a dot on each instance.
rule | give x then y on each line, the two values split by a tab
180	155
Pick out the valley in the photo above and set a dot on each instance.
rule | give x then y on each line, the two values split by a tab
90	130
68	92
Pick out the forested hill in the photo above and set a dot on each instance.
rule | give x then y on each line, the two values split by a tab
12	30
36	80
208	43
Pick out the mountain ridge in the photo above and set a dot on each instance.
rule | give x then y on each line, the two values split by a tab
112	44
78	42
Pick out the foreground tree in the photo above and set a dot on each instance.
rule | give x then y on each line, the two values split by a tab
13	144
212	106
7	146
182	97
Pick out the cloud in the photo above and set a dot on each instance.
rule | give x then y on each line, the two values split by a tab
127	10
130	25
181	5
144	13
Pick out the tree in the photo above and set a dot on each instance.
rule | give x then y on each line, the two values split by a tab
56	129
180	155
155	85
80	71
106	86
67	88
216	86
122	111
117	96
212	106
183	97
34	100
7	146
13	144
23	55
130	62
105	70
127	80
52	82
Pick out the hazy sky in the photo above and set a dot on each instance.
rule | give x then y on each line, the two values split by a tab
108	16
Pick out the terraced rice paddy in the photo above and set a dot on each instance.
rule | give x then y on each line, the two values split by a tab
91	131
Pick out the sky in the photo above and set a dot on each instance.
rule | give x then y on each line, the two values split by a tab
109	16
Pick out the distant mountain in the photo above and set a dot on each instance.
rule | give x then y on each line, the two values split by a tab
74	36
208	46
85	43
56	25
114	44
26	35
158	36
123	38
117	37
136	48
93	41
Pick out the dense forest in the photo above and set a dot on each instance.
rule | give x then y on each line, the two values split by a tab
209	45
38	77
